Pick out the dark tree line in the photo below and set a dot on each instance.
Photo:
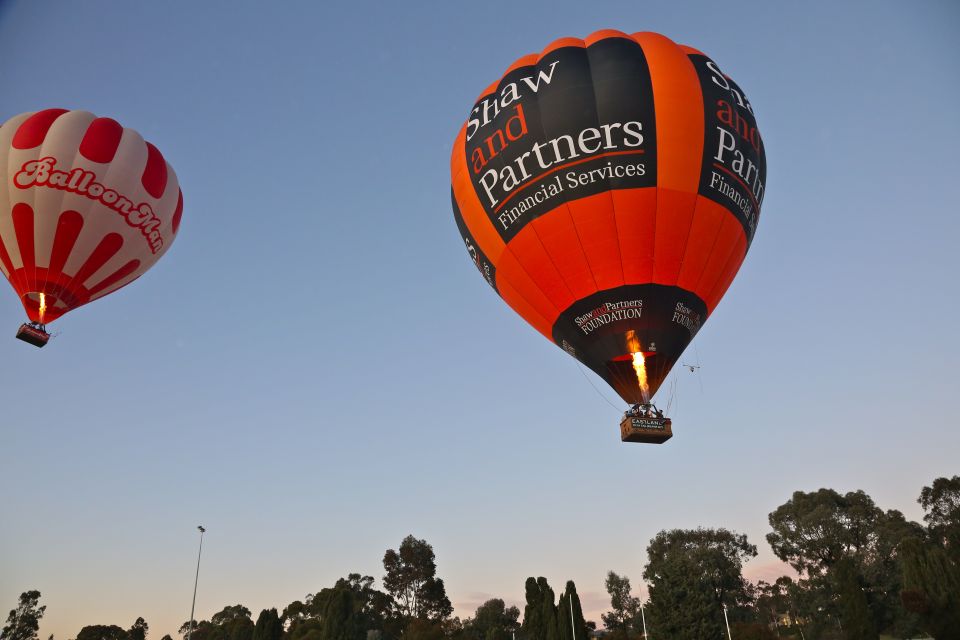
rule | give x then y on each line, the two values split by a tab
861	572
413	605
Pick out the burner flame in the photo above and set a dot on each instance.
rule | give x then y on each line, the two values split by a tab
639	364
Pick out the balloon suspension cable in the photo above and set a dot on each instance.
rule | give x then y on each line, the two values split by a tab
673	392
696	352
599	393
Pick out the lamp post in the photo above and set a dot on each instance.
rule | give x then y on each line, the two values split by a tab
196	579
643	617
725	619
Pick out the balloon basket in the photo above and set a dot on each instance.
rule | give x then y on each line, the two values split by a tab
33	333
647	430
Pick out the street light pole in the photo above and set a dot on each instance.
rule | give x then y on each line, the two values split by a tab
196	579
643	617
725	619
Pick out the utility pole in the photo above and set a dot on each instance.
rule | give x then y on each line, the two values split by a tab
573	627
196	579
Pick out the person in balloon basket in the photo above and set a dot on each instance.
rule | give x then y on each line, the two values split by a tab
645	411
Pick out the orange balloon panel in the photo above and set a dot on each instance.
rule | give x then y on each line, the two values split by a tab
608	190
87	207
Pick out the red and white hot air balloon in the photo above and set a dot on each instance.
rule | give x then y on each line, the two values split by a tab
87	206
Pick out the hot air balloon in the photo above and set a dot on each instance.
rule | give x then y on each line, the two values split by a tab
86	208
608	190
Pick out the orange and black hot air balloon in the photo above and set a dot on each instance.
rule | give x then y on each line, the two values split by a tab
608	189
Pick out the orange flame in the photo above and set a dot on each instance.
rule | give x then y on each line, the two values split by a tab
641	369
43	305
639	365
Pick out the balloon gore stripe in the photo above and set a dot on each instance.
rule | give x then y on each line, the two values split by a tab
34	129
101	140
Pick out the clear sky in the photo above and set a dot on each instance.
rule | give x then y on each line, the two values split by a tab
315	369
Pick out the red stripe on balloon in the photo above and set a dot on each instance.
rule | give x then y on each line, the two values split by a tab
23	226
68	228
34	129
154	177
107	248
115	277
178	213
101	140
5	258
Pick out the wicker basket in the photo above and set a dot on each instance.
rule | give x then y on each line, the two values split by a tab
643	429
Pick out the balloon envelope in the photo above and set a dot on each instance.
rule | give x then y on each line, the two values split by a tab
87	207
608	189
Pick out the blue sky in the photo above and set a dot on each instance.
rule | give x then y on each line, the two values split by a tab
315	369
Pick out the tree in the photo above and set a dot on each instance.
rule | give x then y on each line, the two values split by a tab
493	620
941	504
230	623
23	623
813	531
692	574
422	629
102	632
625	608
203	630
268	626
351	608
338	617
882	576
540	612
752	631
771	601
230	614
931	588
854	608
239	629
532	626
139	630
570	622
816	531
351	604
411	580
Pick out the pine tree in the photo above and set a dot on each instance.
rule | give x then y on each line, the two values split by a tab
574	628
548	610
540	612
532	627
